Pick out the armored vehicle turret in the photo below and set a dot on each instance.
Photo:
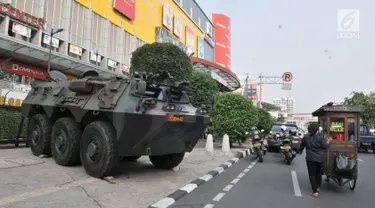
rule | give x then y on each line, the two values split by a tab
97	120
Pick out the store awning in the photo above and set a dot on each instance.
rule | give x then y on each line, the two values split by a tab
35	55
226	78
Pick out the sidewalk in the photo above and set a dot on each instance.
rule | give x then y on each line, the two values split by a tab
28	181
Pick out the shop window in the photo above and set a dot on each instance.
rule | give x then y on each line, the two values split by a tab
112	65
79	24
96	58
47	41
98	41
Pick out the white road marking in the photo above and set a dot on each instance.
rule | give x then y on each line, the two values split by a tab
228	187
218	196
228	164
297	190
44	191
235	159
235	180
240	175
206	177
208	206
250	166
189	188
360	160
219	170
253	163
164	203
246	170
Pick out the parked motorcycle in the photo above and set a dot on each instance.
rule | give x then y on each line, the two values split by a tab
286	147
257	142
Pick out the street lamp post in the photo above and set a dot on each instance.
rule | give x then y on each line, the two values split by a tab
50	47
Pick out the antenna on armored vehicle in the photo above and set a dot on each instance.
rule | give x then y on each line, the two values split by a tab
57	76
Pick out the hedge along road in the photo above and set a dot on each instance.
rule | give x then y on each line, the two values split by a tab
274	184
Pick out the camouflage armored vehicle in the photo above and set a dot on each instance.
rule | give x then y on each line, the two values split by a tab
97	120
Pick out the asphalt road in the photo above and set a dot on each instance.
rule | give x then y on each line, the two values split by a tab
274	184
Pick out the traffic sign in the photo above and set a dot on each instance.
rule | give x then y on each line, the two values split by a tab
286	86
287	77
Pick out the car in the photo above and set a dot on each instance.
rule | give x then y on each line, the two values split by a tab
275	133
367	140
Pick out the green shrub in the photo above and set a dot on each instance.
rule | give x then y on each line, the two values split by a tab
234	115
203	88
161	57
10	122
265	120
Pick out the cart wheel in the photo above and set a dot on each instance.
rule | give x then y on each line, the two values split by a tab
16	145
327	179
353	183
27	144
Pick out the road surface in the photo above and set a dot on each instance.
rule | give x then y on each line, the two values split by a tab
274	184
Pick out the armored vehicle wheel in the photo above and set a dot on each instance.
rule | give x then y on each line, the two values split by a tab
130	158
167	161
65	140
39	134
98	149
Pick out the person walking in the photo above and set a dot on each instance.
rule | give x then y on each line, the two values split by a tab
315	146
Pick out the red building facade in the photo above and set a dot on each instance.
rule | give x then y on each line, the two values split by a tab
222	40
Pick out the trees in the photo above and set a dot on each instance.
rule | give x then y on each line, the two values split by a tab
367	101
234	115
161	57
203	88
281	118
265	120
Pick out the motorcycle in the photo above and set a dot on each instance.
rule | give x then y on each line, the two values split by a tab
257	142
286	148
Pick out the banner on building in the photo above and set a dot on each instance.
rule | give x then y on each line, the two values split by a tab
189	39
200	48
125	7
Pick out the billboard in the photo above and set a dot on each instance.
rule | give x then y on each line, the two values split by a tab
125	7
251	92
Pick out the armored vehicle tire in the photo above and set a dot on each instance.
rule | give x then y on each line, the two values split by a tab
65	139
167	161
98	149
130	158
39	134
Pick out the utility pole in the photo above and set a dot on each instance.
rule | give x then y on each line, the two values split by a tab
50	47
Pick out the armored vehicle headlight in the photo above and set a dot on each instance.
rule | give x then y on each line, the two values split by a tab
169	107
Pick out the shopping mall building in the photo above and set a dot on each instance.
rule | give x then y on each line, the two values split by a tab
102	34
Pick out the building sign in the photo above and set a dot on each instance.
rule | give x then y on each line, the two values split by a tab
112	63
167	17
24	69
200	48
125	7
47	41
17	14
163	36
209	29
95	57
125	69
209	40
75	50
189	40
21	30
177	28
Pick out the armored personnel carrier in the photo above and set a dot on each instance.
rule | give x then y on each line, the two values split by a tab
97	120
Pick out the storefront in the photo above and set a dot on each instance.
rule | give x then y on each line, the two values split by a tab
21	73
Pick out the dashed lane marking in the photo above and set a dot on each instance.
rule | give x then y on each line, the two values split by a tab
235	180
240	175
218	196
246	170
228	187
297	190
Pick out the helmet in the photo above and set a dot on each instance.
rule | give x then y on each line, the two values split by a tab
284	128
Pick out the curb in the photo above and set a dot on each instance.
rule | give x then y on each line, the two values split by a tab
173	197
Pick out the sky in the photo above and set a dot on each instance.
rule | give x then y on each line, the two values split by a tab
325	66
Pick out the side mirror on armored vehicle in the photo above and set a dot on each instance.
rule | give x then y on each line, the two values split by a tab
141	87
